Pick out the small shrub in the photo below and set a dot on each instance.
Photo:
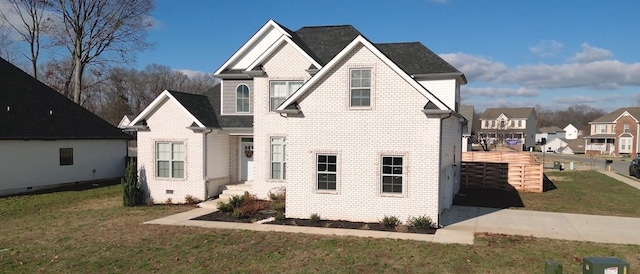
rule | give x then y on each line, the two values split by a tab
191	200
236	201
132	192
279	215
224	207
237	214
150	202
390	221
279	195
168	201
314	218
278	206
252	206
421	222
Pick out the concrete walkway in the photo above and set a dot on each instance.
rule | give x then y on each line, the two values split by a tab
462	222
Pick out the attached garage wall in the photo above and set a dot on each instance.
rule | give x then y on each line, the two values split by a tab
36	164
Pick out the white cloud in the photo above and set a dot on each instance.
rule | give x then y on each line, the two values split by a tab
500	92
575	100
590	54
191	73
475	68
546	48
609	74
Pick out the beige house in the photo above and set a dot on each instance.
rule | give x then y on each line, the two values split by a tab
514	127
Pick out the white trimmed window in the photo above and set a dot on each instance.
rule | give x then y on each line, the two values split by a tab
626	127
360	87
391	175
601	129
170	159
327	168
278	163
519	123
279	91
242	98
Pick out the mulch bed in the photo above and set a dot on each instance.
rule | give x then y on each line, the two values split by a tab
226	217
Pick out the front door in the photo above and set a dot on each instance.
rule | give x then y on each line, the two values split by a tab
246	159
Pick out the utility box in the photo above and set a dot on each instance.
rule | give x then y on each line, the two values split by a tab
556	165
552	267
604	265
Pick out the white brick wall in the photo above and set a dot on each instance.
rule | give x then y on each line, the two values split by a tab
169	123
394	125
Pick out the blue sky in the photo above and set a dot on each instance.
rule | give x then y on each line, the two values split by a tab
514	53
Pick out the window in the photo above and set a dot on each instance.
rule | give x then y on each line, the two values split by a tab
626	127
278	164
170	160
513	123
242	98
502	123
601	128
493	124
280	91
66	156
485	124
391	174
519	123
360	87
327	171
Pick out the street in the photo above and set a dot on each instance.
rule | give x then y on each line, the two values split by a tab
620	165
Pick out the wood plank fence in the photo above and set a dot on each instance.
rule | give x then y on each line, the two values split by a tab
502	170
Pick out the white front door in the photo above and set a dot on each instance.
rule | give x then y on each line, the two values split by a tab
246	159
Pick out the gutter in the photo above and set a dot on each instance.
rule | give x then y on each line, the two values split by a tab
204	163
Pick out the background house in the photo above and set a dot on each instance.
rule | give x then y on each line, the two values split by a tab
549	133
468	130
47	140
615	133
571	132
513	127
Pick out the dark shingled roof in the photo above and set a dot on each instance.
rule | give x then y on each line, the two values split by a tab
30	110
206	108
324	42
494	113
415	58
612	116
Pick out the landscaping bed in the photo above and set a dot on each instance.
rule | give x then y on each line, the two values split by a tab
378	226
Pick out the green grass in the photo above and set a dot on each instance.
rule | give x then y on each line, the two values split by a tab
91	232
585	192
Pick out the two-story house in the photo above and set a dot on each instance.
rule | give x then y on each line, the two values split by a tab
513	127
350	129
615	133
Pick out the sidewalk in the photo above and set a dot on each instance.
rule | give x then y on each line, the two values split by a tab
462	222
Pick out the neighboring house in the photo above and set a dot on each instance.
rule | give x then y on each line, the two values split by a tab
133	144
516	127
46	140
615	133
571	132
554	145
573	147
351	129
468	130
549	133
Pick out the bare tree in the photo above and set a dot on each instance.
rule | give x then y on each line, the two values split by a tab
106	29
31	16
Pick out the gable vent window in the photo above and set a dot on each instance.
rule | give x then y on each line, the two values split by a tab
242	99
360	82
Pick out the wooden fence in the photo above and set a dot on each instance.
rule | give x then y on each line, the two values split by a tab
501	170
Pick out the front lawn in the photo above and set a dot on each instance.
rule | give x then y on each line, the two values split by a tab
90	232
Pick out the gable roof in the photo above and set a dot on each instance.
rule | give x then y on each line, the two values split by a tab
576	145
31	110
360	40
613	116
323	43
202	108
494	113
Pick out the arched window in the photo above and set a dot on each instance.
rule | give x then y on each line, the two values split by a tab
242	98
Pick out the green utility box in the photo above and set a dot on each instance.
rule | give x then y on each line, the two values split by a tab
552	267
556	165
604	265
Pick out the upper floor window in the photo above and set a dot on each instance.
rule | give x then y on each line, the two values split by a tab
360	84
280	91
242	98
626	127
519	123
513	123
170	160
601	129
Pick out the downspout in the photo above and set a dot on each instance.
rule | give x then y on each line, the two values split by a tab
204	163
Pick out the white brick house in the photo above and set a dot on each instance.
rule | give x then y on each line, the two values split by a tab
351	129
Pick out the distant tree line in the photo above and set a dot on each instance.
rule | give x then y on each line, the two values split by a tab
577	115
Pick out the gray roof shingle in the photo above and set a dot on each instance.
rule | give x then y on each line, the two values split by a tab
206	108
414	58
31	110
612	116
